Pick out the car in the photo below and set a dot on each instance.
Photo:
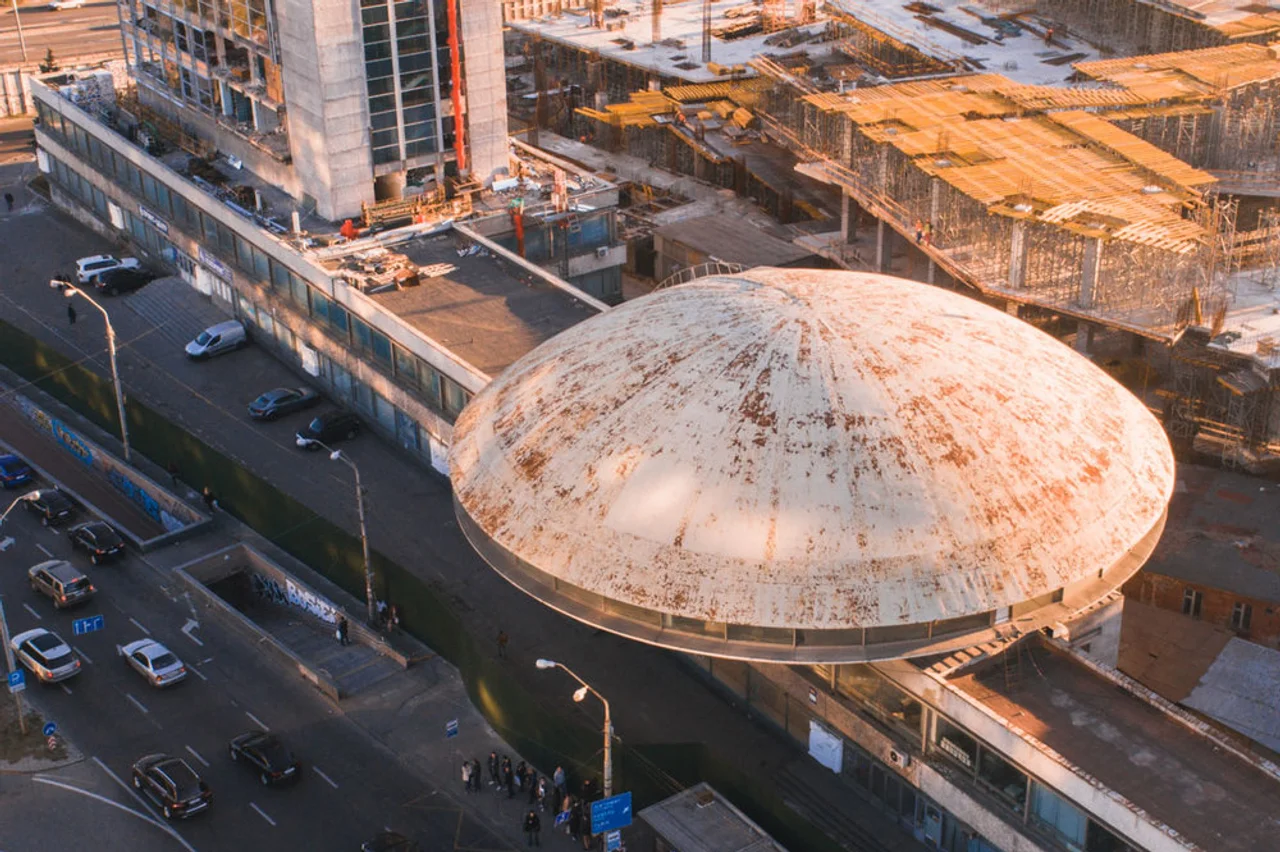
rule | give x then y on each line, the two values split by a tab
62	582
14	471
281	401
216	339
87	267
389	841
155	662
63	5
45	655
122	279
265	754
336	425
172	784
98	539
50	504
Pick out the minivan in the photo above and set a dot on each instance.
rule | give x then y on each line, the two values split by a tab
217	339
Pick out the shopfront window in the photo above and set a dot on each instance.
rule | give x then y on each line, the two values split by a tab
883	699
1002	778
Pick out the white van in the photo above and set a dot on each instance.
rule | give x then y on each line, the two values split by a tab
217	339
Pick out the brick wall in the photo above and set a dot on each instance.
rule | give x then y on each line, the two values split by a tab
1216	605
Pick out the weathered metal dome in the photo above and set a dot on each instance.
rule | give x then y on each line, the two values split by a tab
809	466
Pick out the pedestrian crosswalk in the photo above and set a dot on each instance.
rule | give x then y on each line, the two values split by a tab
177	312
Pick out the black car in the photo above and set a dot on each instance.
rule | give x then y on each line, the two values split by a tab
266	755
172	784
50	504
113	282
98	539
389	841
331	426
282	401
14	471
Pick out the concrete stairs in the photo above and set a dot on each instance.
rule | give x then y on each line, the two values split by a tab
167	305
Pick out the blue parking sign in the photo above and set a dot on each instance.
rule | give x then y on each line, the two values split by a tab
17	681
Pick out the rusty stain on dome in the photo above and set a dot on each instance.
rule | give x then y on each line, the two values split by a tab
810	449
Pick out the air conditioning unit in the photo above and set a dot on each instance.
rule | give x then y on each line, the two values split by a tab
601	251
899	759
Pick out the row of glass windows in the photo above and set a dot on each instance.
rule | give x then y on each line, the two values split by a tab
439	391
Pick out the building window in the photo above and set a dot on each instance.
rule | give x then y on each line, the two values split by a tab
1058	816
1191	601
1002	778
1241	615
406	367
885	700
957	745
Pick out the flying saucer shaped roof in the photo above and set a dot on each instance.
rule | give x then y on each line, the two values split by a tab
802	465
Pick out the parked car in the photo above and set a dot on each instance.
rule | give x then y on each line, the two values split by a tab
155	662
336	425
64	5
87	267
281	401
172	784
217	339
50	504
265	754
46	656
389	841
98	539
14	471
113	282
62	582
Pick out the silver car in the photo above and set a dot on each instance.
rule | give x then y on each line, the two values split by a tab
155	662
45	655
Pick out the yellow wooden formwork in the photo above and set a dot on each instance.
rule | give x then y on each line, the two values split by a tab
1167	76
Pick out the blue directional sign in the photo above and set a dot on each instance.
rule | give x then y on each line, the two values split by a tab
49	728
451	728
611	814
17	681
612	841
92	624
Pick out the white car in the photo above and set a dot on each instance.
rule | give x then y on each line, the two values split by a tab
45	655
88	267
62	5
155	662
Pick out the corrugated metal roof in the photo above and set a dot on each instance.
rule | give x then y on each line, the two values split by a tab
810	449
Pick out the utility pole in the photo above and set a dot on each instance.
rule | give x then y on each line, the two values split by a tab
578	695
22	41
9	661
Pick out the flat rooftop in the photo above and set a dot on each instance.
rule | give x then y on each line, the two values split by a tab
1178	777
1252	323
485	310
700	819
733	240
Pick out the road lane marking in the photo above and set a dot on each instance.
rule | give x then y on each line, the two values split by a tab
197	756
145	816
138	625
257	721
82	654
191	624
65	688
196	672
44	550
136	703
262	813
332	783
28	608
155	819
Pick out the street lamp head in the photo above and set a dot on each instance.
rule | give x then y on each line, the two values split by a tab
335	455
580	693
545	664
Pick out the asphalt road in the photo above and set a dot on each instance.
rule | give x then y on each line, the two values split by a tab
349	787
91	30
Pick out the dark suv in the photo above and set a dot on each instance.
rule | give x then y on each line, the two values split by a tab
50	504
113	282
172	784
336	425
98	539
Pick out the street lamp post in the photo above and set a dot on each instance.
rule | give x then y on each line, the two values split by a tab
71	290
578	695
22	39
4	634
336	455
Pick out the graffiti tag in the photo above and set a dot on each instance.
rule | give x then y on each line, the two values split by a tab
311	602
144	501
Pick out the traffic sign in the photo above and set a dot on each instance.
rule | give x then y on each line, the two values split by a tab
612	841
92	624
611	813
451	728
17	681
52	743
49	728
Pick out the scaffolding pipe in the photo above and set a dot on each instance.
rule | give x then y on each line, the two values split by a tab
455	74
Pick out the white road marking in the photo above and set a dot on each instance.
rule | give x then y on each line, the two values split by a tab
155	820
257	721
197	756
82	654
28	608
44	550
142	815
262	813
332	783
195	671
138	625
191	624
136	703
65	688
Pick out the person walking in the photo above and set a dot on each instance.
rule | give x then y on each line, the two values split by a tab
508	777
207	496
575	820
534	781
71	314
343	627
503	638
557	778
522	775
477	775
493	769
8	201
466	776
540	791
532	828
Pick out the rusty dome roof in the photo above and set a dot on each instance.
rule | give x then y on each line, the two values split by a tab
809	453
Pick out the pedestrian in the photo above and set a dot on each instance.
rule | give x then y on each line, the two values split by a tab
382	613
477	776
586	827
342	630
493	769
1048	36
172	470
534	781
503	638
557	778
466	776
532	828
919	231
393	617
508	777
540	791
71	314
522	774
928	233
8	201
575	820
207	496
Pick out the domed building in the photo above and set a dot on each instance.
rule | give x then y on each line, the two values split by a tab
806	466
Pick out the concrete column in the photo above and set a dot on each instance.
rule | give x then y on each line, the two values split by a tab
846	144
1084	336
849	212
1018	256
935	208
1089	272
1011	308
884	245
227	108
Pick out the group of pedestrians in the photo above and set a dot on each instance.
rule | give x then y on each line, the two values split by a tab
542	794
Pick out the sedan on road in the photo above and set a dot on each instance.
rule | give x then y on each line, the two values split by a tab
46	656
281	401
330	426
155	662
51	505
172	784
98	539
62	582
14	471
64	5
266	755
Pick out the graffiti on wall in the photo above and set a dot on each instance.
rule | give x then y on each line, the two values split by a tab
68	439
144	501
311	602
269	590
